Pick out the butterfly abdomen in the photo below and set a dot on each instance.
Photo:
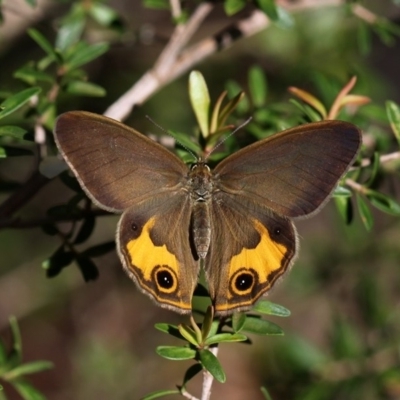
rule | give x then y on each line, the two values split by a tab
201	228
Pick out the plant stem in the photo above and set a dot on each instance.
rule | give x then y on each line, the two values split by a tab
208	379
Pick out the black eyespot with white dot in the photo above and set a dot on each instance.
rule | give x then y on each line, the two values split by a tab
165	279
243	281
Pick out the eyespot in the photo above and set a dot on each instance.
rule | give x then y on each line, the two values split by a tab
165	279
244	282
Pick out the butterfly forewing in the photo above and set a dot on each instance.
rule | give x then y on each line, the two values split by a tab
116	165
292	172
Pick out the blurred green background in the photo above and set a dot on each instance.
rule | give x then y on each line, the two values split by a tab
342	340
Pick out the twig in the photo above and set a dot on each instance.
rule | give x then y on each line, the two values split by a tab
364	14
175	60
188	395
167	68
159	74
208	379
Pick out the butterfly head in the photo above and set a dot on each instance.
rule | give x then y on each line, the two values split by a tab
200	181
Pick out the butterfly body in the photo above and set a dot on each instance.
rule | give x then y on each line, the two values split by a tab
235	220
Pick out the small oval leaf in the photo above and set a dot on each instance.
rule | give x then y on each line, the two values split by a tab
212	365
225	337
17	100
267	307
200	100
176	352
261	326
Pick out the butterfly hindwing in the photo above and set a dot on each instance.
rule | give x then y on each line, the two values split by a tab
153	243
250	250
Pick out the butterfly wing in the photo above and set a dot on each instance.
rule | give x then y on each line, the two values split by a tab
258	190
153	243
122	170
115	165
292	172
251	248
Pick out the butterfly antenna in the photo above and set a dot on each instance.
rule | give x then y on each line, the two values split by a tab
171	135
232	133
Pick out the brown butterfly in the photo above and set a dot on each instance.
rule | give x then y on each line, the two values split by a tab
235	220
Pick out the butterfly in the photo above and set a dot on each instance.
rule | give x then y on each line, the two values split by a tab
235	221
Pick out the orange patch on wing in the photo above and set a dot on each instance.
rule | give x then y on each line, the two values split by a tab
264	259
146	257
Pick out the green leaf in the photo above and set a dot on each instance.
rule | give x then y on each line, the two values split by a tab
103	14
81	88
232	7
44	44
285	19
16	352
160	393
212	365
88	268
176	352
3	354
265	393
207	323
341	191
225	337
308	111
261	326
200	100
157	4
364	37
99	250
257	86
189	334
234	90
71	29
27	391
375	166
86	229
267	307
269	8
383	202
17	100
28	368
238	320
185	141
13	131
345	208
30	75
84	53
393	113
169	329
